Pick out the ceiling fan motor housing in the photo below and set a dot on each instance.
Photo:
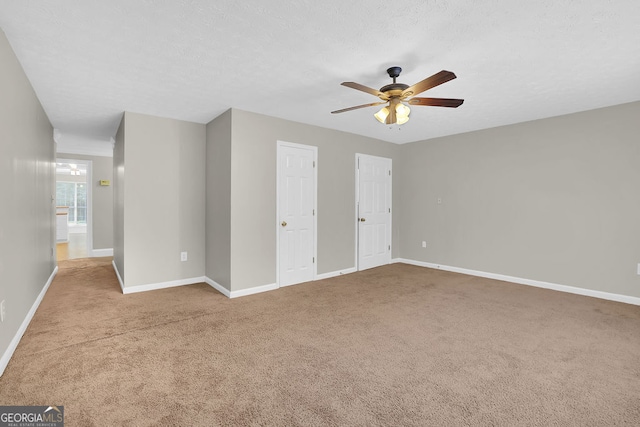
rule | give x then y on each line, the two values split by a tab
394	86
398	88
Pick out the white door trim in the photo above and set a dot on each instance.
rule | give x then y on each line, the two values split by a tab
314	149
357	213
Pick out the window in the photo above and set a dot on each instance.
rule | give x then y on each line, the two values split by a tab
74	195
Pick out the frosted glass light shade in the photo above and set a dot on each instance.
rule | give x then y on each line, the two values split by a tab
402	113
402	119
402	110
381	115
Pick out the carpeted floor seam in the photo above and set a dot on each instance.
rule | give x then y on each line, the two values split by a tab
128	331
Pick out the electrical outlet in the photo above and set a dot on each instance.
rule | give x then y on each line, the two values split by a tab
2	312
424	244
183	256
639	269
439	200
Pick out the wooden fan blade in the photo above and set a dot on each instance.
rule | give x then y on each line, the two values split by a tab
436	102
428	83
356	107
363	88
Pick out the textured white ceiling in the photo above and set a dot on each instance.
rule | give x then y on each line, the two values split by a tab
515	60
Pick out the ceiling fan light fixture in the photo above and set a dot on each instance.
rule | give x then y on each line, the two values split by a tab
402	110
402	120
400	117
402	113
381	115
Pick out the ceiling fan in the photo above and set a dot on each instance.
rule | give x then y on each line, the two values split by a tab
398	95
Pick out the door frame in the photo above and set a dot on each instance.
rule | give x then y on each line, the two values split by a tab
357	208
89	184
314	149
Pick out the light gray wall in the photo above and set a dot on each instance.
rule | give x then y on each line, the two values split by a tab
253	194
164	199
27	177
553	200
118	199
102	198
218	200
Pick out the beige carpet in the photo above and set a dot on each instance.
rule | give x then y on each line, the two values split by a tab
395	345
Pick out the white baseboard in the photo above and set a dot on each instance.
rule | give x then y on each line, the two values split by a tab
521	281
242	292
254	290
154	286
335	273
4	361
101	252
115	268
162	285
217	286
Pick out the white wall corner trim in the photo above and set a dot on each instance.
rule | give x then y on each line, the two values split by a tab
521	281
218	287
162	285
101	252
115	268
335	273
4	361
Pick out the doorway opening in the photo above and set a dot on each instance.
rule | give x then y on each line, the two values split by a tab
73	209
